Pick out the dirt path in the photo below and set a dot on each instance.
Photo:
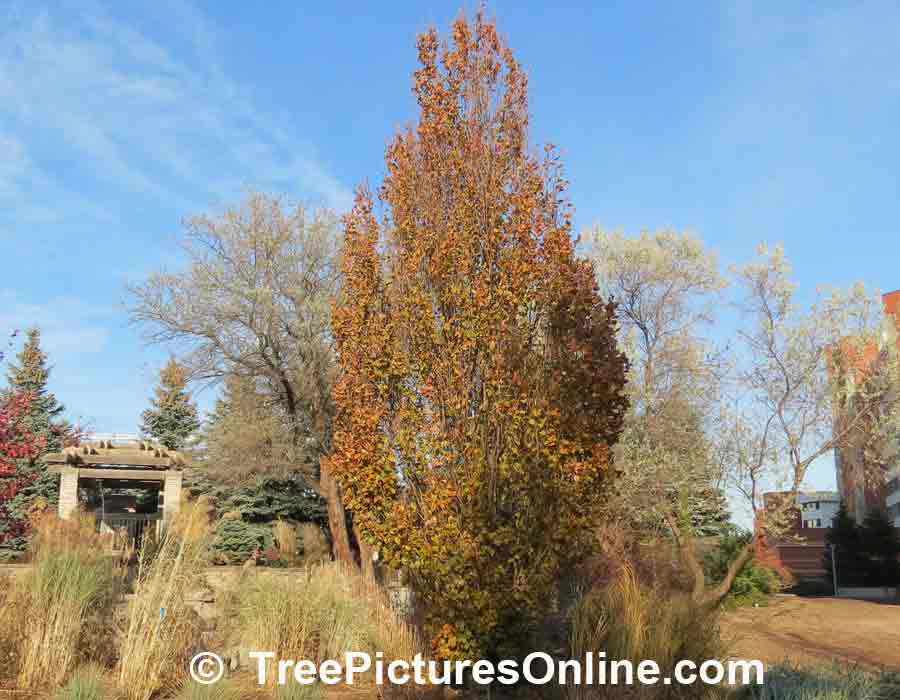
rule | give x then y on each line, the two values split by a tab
817	630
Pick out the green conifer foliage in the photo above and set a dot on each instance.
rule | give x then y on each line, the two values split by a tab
172	416
29	374
882	546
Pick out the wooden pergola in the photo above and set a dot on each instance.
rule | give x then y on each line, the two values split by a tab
135	465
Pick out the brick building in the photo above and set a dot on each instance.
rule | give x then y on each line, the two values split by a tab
862	497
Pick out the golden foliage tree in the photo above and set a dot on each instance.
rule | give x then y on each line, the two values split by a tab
480	385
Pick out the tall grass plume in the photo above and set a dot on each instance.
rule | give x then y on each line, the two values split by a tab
161	630
64	605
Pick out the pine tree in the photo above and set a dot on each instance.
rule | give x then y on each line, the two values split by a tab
173	416
28	376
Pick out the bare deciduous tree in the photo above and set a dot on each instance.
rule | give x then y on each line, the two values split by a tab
666	285
255	300
799	383
808	381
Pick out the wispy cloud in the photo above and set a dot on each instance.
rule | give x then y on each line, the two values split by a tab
91	100
68	325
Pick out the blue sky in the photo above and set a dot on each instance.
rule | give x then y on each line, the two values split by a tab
739	121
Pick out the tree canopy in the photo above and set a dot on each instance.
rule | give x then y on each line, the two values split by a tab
481	385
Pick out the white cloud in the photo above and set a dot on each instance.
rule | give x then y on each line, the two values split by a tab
91	95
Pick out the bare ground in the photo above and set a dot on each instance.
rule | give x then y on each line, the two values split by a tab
817	630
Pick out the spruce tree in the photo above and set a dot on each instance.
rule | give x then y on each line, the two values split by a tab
172	416
852	565
29	374
881	547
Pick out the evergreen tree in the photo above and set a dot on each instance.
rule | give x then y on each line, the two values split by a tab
852	564
28	375
708	511
247	433
173	416
249	463
881	547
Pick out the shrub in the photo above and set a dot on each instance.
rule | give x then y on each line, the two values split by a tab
63	606
268	498
161	630
753	584
812	587
85	684
236	541
829	683
630	620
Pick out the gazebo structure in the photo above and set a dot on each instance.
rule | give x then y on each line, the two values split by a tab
104	470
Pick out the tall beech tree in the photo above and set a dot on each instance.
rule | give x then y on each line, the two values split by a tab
480	382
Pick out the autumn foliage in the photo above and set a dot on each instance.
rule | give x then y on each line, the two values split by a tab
16	443
481	384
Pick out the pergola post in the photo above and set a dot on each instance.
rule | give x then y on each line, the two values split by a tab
68	492
171	495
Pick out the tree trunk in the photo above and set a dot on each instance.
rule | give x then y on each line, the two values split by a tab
337	516
710	596
365	555
714	595
703	595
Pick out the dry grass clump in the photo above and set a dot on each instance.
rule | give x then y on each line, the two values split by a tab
395	635
87	683
320	613
286	539
161	630
77	535
316	549
631	620
295	691
61	609
8	626
223	690
310	614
